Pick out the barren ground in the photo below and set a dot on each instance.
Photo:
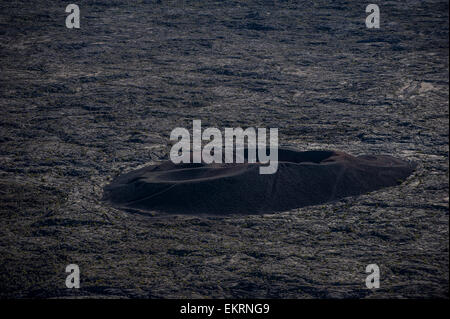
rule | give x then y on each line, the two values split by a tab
79	107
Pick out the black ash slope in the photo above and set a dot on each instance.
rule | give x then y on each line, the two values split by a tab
302	179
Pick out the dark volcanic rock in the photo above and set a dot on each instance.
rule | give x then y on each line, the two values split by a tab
79	107
302	179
